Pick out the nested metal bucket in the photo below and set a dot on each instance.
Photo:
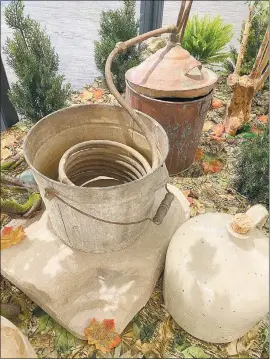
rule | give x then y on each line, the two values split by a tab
133	201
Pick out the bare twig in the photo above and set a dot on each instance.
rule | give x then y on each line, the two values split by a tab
17	182
262	53
261	81
243	47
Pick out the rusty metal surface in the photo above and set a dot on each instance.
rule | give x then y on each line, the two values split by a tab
183	122
171	72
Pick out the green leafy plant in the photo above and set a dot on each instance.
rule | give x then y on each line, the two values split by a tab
39	89
253	168
257	30
115	26
206	38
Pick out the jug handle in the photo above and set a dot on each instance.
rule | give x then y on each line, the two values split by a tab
259	215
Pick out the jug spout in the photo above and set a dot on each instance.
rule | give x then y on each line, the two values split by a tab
242	223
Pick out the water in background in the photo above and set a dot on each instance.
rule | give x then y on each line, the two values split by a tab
73	27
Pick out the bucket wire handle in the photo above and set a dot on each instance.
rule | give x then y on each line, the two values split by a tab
157	219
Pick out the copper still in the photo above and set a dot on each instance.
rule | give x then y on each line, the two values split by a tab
176	90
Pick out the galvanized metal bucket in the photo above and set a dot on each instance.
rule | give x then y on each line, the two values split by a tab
52	136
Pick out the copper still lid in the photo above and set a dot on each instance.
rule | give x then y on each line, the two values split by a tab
171	72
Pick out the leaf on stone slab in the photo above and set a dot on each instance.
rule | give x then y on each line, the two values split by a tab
194	352
212	166
11	236
102	335
147	332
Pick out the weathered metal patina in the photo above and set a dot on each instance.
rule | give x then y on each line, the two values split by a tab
175	89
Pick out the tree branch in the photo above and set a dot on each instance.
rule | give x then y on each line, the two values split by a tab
261	81
243	47
260	56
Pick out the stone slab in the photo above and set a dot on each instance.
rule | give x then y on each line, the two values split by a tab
73	286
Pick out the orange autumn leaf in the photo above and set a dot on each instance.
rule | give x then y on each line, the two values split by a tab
199	154
11	236
216	103
263	118
97	93
102	335
212	166
218	129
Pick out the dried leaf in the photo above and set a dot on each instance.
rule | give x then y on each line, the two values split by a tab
216	103
207	126
5	153
194	352
263	118
218	129
212	166
86	95
102	335
98	93
216	138
199	154
11	236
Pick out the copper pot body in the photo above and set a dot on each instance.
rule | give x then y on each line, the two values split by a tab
181	119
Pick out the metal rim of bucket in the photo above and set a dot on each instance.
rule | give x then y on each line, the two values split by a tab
162	163
170	102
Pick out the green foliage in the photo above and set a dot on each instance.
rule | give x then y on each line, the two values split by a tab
115	26
253	168
206	38
258	27
39	89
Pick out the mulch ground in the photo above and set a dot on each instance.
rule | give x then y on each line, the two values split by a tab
208	185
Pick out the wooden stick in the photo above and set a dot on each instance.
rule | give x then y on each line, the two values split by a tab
261	81
180	16
264	44
185	19
243	47
264	61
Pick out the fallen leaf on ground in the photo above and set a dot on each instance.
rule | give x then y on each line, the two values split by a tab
5	153
263	118
196	207
218	129
86	95
207	126
194	352
7	140
97	93
216	103
102	335
11	236
212	166
199	154
186	193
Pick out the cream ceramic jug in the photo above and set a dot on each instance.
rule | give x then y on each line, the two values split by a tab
216	275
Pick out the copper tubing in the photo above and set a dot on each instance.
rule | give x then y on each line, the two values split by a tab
91	160
121	47
180	16
184	20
